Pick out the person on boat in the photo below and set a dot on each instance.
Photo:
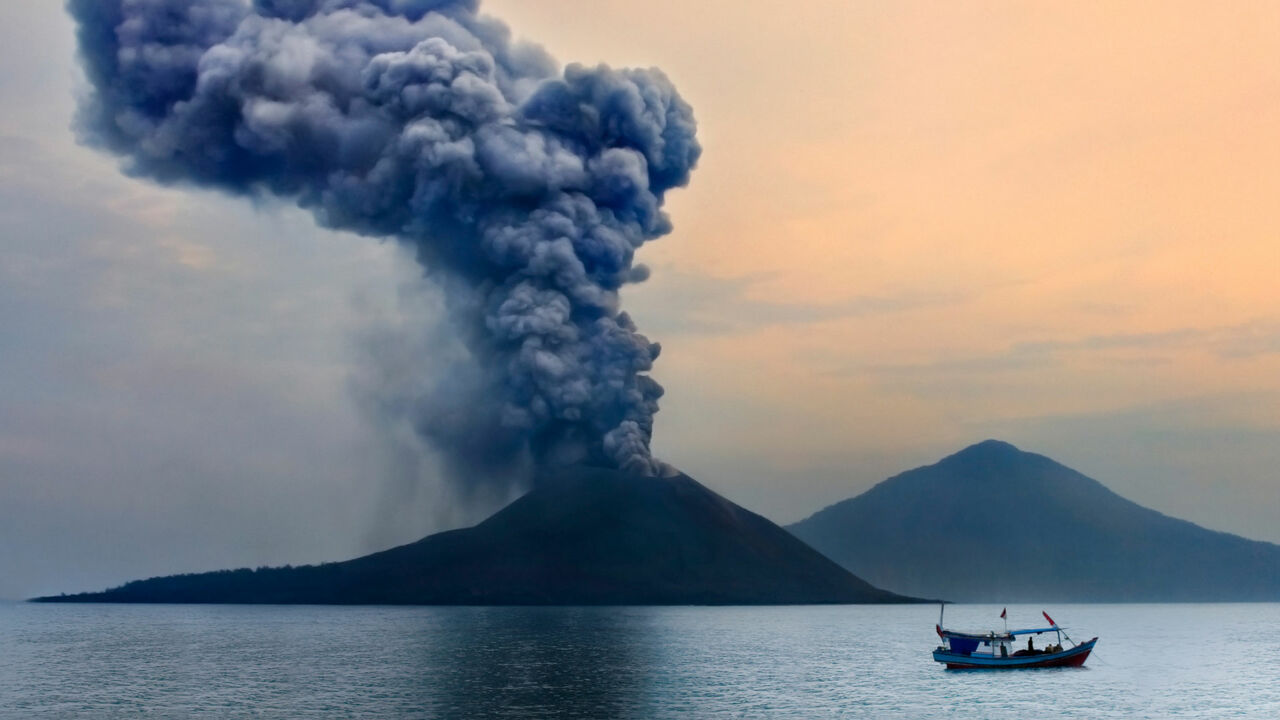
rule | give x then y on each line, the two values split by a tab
1031	647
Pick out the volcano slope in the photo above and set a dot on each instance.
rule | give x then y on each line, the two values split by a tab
994	523
587	536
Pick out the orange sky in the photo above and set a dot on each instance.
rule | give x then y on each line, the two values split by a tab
926	223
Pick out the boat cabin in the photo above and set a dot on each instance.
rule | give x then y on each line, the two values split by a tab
999	644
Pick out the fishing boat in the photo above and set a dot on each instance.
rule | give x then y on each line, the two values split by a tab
997	649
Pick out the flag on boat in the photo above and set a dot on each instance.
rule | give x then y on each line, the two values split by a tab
1004	614
1046	617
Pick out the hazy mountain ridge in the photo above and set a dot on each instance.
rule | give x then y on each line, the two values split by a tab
588	536
994	523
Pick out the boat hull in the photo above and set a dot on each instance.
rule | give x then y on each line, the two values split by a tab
1074	657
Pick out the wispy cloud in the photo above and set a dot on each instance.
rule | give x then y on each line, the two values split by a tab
1229	342
681	302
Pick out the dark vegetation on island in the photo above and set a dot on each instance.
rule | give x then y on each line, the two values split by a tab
994	523
587	536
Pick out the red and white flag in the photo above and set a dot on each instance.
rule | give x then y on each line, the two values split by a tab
1004	614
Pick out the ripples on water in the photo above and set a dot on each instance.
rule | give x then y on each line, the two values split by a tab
1153	661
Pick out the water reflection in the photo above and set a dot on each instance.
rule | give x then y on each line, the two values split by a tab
534	662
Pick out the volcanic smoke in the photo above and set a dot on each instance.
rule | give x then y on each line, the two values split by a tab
523	189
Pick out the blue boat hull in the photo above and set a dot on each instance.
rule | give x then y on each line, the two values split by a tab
1074	657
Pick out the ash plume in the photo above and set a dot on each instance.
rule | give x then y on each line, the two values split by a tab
523	189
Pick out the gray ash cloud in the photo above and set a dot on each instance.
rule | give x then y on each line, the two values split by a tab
523	189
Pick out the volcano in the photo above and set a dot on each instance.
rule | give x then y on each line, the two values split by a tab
992	523
587	536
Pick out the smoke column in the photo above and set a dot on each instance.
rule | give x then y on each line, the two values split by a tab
524	190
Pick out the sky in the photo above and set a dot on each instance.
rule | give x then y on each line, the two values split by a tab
914	226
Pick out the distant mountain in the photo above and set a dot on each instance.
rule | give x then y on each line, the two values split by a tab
993	523
585	537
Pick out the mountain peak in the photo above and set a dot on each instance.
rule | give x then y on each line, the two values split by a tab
989	448
993	460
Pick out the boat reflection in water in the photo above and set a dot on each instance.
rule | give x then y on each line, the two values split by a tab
996	649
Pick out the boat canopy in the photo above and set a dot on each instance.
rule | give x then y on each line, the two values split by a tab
977	636
1034	631
994	635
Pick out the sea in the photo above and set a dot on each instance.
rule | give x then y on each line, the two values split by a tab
207	661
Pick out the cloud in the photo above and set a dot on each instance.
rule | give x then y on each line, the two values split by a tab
1229	342
683	302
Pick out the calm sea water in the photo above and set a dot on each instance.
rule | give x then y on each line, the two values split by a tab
106	661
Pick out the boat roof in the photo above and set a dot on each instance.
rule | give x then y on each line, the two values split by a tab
994	635
1034	631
